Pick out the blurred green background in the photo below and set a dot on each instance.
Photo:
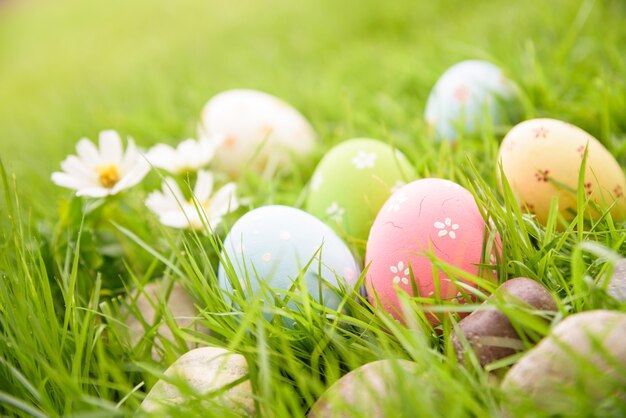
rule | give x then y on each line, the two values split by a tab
70	68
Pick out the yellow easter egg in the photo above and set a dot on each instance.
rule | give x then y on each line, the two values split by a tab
541	159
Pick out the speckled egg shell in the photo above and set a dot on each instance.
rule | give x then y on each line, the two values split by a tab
469	95
204	370
426	214
541	160
352	181
272	244
258	131
369	390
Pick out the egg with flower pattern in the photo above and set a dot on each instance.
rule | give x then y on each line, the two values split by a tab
541	160
469	97
351	183
425	218
255	131
270	247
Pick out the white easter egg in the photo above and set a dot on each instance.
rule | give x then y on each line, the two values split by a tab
256	131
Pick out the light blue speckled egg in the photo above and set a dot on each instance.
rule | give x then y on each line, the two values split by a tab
273	244
468	97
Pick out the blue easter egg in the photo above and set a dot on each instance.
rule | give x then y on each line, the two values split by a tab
274	244
468	97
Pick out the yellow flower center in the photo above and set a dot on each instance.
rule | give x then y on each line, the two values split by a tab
203	205
109	175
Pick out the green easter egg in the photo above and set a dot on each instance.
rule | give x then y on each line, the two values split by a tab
353	181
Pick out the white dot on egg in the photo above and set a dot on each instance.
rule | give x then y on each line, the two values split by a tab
267	257
348	273
285	235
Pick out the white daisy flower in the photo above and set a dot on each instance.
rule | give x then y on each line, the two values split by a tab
103	171
189	155
203	209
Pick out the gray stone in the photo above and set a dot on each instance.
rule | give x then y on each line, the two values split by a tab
365	391
180	305
617	285
584	354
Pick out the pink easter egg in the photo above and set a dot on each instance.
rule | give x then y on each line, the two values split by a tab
427	215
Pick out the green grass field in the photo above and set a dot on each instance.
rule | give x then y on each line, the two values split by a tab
71	68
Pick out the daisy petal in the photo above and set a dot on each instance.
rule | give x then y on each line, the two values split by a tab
196	215
131	157
171	189
188	150
110	146
225	200
87	152
69	181
93	192
175	220
161	156
189	155
75	167
131	178
158	203
204	186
